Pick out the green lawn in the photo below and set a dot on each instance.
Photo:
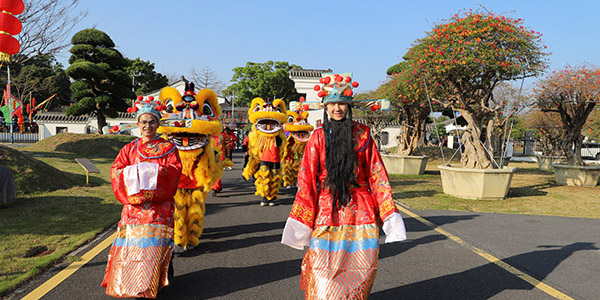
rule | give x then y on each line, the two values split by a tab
532	191
41	228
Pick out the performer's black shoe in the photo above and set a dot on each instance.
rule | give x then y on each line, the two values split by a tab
214	193
264	202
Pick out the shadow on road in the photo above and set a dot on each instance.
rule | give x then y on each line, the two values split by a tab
488	280
208	246
416	226
219	282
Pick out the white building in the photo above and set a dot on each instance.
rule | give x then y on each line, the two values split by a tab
51	123
304	82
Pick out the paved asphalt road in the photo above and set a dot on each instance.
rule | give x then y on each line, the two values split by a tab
240	256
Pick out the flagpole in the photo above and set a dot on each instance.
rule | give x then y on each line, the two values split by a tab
12	138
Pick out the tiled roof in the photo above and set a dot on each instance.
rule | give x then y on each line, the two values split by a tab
60	117
124	115
307	73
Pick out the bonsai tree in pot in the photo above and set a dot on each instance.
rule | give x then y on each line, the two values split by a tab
572	94
408	96
464	59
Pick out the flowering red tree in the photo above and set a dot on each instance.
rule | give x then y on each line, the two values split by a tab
572	93
464	59
408	95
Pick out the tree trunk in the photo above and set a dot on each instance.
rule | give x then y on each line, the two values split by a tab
411	133
571	145
474	155
422	135
573	120
101	120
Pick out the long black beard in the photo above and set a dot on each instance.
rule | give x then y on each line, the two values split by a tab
339	158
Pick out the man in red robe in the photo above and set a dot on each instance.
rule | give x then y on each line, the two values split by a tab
144	178
343	196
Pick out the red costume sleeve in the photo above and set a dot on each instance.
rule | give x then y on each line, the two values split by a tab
116	174
305	204
379	182
169	171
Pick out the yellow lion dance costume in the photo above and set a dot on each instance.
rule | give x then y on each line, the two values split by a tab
266	142
299	131
198	119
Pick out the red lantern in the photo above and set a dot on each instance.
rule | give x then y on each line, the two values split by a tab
9	26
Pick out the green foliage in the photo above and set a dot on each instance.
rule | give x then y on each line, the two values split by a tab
269	80
105	85
92	37
145	78
39	77
395	69
518	129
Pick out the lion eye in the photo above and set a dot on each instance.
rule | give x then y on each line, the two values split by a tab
207	110
290	119
170	106
256	108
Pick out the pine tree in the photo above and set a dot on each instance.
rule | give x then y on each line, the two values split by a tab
100	84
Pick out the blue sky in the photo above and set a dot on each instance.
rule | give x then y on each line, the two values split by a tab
365	37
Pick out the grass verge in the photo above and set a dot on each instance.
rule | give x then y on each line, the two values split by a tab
43	226
532	192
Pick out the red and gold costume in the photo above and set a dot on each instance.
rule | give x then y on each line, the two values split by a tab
201	167
341	261
342	258
144	179
265	147
299	131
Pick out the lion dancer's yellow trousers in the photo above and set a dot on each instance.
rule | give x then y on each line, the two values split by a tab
290	172
189	216
267	182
